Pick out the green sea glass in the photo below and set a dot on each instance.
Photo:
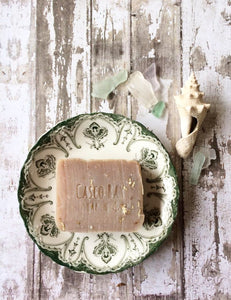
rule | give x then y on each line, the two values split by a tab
103	88
198	162
158	109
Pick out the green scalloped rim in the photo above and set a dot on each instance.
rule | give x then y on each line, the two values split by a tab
25	214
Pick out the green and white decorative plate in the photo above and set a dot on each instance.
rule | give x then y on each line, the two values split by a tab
98	136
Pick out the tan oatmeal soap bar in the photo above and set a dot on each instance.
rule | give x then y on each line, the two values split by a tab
99	195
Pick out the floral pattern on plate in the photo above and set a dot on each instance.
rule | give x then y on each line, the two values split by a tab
98	136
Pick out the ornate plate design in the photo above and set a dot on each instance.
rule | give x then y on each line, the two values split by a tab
98	136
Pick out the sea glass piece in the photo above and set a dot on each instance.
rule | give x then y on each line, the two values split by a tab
209	153
99	195
103	88
150	75
141	89
198	162
158	109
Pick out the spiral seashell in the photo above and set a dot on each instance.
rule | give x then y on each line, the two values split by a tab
192	111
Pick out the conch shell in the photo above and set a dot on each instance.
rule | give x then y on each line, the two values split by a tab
192	111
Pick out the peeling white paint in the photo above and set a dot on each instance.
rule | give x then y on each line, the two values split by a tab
207	266
104	23
151	53
104	106
51	93
155	14
206	220
81	35
15	128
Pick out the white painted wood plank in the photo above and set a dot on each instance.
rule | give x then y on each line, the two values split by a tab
206	50
110	48
156	37
111	53
17	61
63	61
63	91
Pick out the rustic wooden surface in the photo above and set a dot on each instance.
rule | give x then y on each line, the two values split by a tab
50	53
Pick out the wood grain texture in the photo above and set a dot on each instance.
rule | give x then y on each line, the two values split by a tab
51	52
17	65
110	53
63	80
110	48
207	206
156	38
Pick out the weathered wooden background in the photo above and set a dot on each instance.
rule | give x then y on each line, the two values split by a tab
50	53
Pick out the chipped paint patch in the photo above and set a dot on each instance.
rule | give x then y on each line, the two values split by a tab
227	251
229	146
79	50
210	268
198	59
226	15
139	278
105	106
225	66
79	81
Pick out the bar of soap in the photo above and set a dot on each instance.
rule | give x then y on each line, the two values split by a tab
99	195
